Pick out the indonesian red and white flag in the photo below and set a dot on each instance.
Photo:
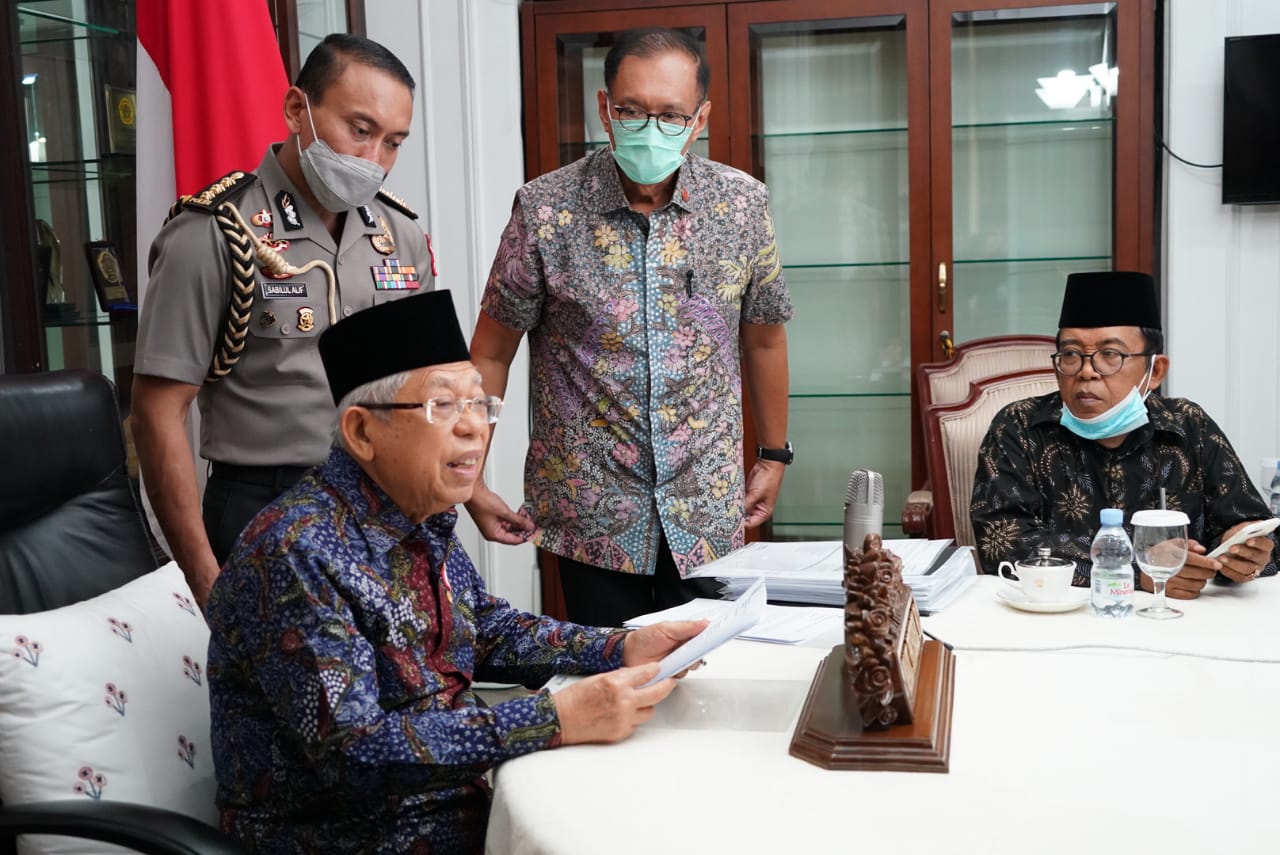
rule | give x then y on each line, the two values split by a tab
211	87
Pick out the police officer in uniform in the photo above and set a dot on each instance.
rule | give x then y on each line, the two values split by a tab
245	276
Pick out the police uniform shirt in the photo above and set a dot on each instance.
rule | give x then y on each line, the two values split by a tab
274	408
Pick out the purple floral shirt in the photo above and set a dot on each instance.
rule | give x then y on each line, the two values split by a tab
633	326
343	644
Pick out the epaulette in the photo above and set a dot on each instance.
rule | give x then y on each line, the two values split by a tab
396	202
226	187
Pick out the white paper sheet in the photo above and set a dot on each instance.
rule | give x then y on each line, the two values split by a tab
746	611
778	624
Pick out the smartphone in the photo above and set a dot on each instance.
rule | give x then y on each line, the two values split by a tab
1253	529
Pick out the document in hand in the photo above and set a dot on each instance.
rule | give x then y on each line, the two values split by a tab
746	610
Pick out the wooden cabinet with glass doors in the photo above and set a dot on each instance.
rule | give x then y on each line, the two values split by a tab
936	168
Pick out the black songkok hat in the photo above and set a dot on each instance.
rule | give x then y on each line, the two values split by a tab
1110	298
396	336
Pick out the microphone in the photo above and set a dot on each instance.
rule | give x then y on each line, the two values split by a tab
863	507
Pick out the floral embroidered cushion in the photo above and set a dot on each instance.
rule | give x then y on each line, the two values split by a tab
107	700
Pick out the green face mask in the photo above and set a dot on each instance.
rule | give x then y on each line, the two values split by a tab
648	156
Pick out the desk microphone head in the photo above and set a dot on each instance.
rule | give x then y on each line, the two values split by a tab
863	507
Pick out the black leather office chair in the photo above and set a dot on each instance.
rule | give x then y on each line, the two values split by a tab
70	529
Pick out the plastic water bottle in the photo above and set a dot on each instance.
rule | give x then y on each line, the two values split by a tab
1112	574
1275	492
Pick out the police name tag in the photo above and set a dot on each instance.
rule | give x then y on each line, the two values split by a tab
284	290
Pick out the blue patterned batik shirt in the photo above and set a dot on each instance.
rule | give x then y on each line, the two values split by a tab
635	379
344	642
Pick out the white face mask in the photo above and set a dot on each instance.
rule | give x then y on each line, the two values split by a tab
339	181
1128	415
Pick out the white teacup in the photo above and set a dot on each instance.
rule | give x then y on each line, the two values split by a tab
1043	579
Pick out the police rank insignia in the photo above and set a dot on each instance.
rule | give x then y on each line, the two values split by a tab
384	242
288	211
262	218
391	275
306	319
367	216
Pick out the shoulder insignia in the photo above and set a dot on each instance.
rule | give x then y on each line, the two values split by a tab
228	186
396	202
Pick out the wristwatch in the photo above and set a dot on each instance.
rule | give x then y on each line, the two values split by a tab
784	455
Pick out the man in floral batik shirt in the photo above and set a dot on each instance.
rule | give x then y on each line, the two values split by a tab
649	283
1108	439
348	624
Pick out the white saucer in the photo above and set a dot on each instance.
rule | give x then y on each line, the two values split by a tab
1076	598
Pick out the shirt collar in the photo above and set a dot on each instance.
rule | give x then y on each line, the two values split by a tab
281	195
383	523
602	191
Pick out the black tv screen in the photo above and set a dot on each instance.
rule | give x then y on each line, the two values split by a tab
1251	120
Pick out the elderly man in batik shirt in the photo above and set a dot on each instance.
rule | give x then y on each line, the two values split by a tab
1108	439
649	283
348	624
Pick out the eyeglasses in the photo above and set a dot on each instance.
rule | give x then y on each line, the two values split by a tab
444	410
634	119
1105	362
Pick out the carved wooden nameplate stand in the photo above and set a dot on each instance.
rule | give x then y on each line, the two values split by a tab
882	700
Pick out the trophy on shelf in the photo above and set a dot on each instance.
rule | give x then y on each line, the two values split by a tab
108	279
882	700
122	119
57	308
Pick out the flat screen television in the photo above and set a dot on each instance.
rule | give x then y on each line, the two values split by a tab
1251	120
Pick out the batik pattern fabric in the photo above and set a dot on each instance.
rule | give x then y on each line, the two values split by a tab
344	643
1038	484
633	326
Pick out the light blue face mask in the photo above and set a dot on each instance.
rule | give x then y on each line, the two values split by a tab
648	156
1128	415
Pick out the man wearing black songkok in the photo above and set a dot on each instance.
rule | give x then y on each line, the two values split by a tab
1108	439
348	625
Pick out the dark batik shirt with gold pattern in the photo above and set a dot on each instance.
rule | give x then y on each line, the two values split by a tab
1038	484
344	640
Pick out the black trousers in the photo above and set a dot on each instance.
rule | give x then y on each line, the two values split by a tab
234	495
595	596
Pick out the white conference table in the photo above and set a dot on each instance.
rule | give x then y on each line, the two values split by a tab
1093	750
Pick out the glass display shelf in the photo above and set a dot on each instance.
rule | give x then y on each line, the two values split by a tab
1000	295
78	321
836	132
833	435
856	323
38	22
1040	123
836	265
92	169
1048	260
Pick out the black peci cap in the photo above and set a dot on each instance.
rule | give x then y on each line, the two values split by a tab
1110	298
400	335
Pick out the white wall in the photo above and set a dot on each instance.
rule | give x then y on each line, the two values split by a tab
460	171
1222	262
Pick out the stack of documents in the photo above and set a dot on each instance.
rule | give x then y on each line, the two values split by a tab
812	572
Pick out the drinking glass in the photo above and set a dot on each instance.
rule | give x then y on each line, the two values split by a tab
1160	548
